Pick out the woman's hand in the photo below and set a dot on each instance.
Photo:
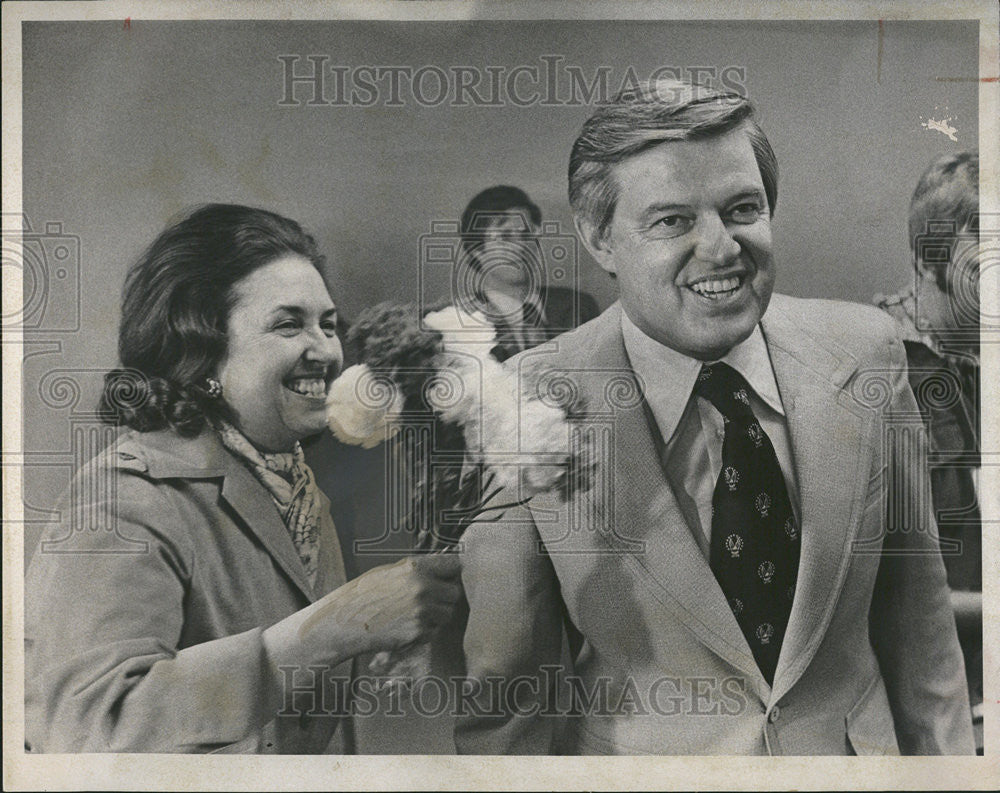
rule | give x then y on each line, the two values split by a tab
384	609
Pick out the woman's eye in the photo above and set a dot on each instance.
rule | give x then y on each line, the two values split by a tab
287	326
745	213
330	329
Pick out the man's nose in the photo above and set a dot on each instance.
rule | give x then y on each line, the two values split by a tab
715	244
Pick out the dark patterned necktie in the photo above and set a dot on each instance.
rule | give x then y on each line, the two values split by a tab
755	540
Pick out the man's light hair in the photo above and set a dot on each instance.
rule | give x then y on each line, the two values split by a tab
647	115
947	195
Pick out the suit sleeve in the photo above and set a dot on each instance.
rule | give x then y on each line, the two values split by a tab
514	630
912	624
104	671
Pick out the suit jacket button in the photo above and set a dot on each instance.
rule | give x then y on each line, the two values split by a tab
774	715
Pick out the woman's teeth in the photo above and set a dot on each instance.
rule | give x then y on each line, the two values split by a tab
717	288
314	387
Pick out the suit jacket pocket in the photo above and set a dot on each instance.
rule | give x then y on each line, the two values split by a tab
870	728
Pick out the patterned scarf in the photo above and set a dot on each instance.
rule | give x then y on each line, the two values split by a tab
291	484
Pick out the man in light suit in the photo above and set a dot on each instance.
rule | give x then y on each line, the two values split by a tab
749	574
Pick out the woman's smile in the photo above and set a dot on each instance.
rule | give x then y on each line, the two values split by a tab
312	387
283	353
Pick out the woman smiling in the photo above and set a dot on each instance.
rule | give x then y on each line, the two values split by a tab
234	624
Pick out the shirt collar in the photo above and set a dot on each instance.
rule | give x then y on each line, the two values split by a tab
510	306
651	360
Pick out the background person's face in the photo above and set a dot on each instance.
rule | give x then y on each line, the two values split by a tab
690	243
282	353
508	249
950	314
963	281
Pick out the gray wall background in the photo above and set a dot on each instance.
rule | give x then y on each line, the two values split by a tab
125	128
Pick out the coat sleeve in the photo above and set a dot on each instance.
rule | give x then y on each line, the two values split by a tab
912	624
514	630
103	623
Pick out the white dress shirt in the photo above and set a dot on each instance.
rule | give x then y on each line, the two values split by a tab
505	305
692	428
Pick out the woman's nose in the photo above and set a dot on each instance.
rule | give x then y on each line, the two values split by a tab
323	348
714	242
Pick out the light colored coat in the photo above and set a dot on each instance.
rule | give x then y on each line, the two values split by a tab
870	664
145	606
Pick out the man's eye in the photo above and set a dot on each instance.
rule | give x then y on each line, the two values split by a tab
287	326
745	213
329	328
674	224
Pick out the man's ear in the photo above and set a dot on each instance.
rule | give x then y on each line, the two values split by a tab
598	245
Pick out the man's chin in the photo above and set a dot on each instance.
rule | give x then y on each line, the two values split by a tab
718	342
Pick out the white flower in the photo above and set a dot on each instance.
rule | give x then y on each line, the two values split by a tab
523	440
360	406
463	332
455	393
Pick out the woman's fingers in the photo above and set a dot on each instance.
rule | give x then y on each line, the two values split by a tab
386	608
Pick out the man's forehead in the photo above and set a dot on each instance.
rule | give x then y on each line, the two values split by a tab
722	164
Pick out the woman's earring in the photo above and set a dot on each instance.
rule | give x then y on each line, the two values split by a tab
214	388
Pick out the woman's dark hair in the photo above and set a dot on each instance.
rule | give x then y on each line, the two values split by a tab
175	308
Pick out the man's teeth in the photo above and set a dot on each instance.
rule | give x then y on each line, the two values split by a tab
717	287
315	387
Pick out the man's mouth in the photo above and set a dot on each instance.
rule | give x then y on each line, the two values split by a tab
718	288
313	386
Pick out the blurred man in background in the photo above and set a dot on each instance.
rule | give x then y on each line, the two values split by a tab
939	319
509	277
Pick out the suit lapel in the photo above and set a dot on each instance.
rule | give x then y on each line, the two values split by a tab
830	445
643	520
253	503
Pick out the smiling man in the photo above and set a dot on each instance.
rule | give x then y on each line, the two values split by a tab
738	580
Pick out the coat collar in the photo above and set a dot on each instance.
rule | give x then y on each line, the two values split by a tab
168	455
